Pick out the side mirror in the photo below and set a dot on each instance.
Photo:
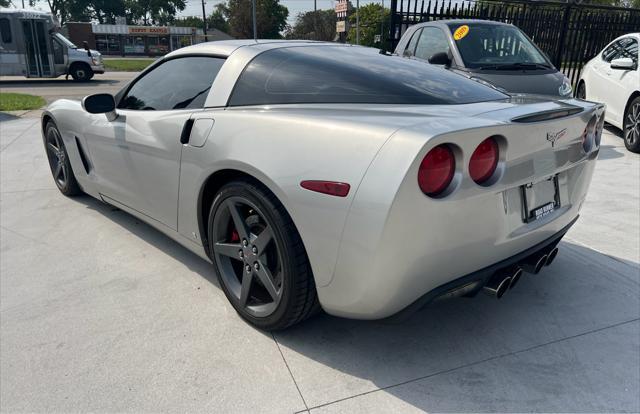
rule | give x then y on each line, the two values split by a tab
100	103
623	63
85	45
440	58
407	53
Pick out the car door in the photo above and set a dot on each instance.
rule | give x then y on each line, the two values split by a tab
136	156
619	82
600	82
432	40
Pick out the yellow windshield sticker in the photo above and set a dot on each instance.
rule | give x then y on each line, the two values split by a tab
461	32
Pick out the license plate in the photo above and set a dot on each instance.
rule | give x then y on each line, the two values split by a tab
540	199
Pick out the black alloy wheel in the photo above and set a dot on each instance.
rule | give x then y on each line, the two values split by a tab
632	126
59	162
259	257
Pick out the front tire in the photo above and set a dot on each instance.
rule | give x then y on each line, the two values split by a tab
81	72
259	257
632	126
59	161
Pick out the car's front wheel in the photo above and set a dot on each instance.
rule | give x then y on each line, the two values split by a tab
59	161
259	257
632	126
81	72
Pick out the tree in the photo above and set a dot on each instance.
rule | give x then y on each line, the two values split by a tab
271	18
313	25
215	21
374	20
148	12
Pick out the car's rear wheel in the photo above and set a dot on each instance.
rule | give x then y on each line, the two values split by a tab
632	126
59	161
259	257
581	93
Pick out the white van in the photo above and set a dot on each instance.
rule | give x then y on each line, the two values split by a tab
30	45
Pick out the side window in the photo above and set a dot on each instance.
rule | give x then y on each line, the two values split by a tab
628	48
5	31
58	52
432	40
611	52
411	46
181	83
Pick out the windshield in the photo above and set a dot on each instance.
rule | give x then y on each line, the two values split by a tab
339	74
65	41
492	46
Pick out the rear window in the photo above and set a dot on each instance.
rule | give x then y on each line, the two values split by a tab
339	74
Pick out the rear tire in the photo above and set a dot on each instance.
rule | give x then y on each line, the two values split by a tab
81	72
59	163
631	127
259	257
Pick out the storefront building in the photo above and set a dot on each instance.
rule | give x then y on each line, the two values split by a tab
125	40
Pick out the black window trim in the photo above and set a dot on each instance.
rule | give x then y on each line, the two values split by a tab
124	91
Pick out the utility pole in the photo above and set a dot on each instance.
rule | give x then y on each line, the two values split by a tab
255	24
204	22
382	27
315	5
358	22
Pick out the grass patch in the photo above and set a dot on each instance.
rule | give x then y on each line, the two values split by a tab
20	101
127	65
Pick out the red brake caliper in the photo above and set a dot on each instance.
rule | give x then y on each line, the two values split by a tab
235	237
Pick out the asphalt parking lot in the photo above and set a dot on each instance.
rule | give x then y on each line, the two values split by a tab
100	312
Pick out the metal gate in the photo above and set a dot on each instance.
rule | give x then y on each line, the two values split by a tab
569	33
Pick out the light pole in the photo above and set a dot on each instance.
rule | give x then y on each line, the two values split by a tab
255	24
358	22
204	22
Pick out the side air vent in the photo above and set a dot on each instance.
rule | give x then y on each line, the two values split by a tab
547	115
83	156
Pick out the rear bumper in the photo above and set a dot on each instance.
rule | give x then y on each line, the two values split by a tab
473	282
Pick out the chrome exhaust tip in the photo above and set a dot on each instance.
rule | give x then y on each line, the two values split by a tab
551	256
515	277
534	264
497	286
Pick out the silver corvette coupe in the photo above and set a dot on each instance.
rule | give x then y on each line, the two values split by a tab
325	176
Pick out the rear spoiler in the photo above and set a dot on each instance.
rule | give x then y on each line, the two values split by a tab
547	115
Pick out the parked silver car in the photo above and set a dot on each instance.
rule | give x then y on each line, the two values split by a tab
317	175
489	52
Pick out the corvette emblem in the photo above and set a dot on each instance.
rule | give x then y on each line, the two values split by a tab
552	137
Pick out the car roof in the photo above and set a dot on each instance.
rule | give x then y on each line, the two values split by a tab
227	47
460	21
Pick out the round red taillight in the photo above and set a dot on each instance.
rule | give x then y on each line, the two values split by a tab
484	161
436	170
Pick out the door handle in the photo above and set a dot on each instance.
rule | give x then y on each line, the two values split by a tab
186	131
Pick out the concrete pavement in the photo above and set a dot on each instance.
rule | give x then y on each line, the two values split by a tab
100	312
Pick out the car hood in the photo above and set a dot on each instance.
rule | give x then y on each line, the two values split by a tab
523	81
